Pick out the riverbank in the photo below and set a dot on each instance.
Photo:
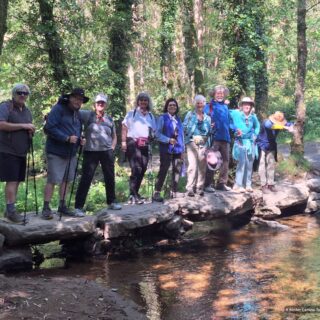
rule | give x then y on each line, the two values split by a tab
62	298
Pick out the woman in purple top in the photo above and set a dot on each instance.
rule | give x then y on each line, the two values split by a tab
171	147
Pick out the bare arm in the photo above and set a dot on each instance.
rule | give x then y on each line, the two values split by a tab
124	133
8	126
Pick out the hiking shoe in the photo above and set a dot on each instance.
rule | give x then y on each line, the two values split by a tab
236	188
156	197
190	193
249	189
209	189
265	189
15	217
114	206
67	212
47	214
222	187
135	200
79	213
140	197
272	188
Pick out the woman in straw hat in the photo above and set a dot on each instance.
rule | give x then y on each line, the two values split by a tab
247	127
266	140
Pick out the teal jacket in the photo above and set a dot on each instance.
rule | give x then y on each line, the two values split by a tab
250	128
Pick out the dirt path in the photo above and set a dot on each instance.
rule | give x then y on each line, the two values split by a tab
62	298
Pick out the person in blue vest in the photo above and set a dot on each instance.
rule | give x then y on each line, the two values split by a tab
221	124
171	146
266	140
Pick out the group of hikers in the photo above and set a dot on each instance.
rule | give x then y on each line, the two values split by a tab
203	137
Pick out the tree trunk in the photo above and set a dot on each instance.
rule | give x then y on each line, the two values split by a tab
190	43
54	46
3	21
261	73
168	27
120	37
297	143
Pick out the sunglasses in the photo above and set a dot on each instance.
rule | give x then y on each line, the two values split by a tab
22	93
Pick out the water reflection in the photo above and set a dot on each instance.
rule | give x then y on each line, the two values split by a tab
254	275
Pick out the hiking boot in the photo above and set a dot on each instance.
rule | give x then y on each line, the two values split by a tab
79	213
249	189
190	193
265	189
201	192
67	212
156	197
135	200
272	188
222	187
47	214
236	188
114	206
15	217
209	189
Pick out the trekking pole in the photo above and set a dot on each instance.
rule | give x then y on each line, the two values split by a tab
75	175
34	175
26	194
66	175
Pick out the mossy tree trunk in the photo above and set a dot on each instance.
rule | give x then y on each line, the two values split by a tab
54	46
3	21
297	143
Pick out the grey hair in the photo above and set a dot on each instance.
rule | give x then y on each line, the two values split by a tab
20	87
199	97
219	87
145	95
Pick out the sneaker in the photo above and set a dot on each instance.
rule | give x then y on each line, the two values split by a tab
236	188
79	213
114	206
67	212
190	193
15	217
156	197
47	214
222	187
135	200
249	189
272	188
265	189
209	189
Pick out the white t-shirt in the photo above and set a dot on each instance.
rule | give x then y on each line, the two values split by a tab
138	124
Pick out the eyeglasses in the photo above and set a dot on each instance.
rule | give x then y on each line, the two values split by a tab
22	93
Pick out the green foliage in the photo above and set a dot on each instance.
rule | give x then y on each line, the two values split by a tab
293	166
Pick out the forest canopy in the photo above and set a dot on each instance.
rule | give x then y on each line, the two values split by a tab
166	47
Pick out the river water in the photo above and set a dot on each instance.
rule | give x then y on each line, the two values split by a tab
250	273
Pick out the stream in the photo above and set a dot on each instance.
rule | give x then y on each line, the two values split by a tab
249	273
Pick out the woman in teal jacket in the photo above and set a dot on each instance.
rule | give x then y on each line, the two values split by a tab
244	150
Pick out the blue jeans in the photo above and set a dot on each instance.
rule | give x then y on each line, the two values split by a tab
244	169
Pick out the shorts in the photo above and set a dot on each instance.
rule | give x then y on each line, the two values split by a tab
12	168
57	168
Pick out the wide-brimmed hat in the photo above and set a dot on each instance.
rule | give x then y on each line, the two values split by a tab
278	118
246	100
214	160
77	92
